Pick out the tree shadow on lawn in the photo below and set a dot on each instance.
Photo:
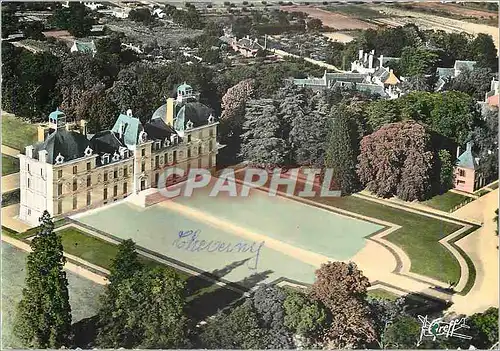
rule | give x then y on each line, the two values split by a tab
417	303
196	283
211	302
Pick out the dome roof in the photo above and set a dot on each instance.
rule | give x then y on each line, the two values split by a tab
160	112
195	112
71	145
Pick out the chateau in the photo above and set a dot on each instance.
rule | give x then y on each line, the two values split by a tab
69	170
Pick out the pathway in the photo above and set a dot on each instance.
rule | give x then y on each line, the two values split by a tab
481	247
10	182
10	219
69	266
282	53
7	150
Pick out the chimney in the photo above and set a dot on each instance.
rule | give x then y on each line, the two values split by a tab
129	112
83	126
29	151
458	151
366	57
381	59
370	61
360	57
120	131
169	117
41	133
42	156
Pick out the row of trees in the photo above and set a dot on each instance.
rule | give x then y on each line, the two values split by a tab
352	134
145	307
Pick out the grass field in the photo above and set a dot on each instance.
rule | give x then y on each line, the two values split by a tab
418	236
382	294
356	11
447	201
83	294
9	165
17	133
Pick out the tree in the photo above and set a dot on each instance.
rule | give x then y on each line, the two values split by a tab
417	61
43	318
123	268
476	83
343	149
382	112
397	160
141	14
446	170
383	313
484	328
76	19
33	30
304	316
483	50
314	24
147	311
10	22
261	143
402	333
485	138
238	329
233	104
341	287
268	304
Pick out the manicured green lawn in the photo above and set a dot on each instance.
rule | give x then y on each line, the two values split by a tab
382	294
494	186
418	236
17	133
10	198
447	201
9	165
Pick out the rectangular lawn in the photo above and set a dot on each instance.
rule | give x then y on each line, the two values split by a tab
157	229
447	201
16	133
9	165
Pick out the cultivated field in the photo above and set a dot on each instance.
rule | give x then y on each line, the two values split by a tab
426	21
456	10
330	19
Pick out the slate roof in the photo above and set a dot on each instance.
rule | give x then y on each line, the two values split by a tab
105	142
158	129
467	159
132	128
464	65
366	87
195	112
345	77
382	74
87	47
71	145
445	72
248	44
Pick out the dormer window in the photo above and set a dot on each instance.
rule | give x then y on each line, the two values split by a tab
189	125
143	137
59	159
105	159
211	119
116	157
174	139
88	151
157	145
166	142
123	152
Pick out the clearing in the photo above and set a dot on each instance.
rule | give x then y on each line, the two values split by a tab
17	133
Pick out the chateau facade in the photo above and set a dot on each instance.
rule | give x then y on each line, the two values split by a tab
69	170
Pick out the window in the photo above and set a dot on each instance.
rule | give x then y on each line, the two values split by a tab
59	173
189	138
88	166
125	187
175	156
125	171
157	161
28	167
89	198
210	145
105	193
143	152
211	132
29	183
59	189
105	176
189	153
89	180
75	202
59	207
143	166
41	172
29	212
143	184
199	150
74	185
115	190
200	135
115	173
165	158
461	173
75	169
157	177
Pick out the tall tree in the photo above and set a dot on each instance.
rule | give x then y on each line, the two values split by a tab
483	50
397	160
147	311
417	61
402	333
383	313
381	112
76	18
341	287
262	144
484	327
476	83
237	329
343	149
446	170
43	318
485	137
